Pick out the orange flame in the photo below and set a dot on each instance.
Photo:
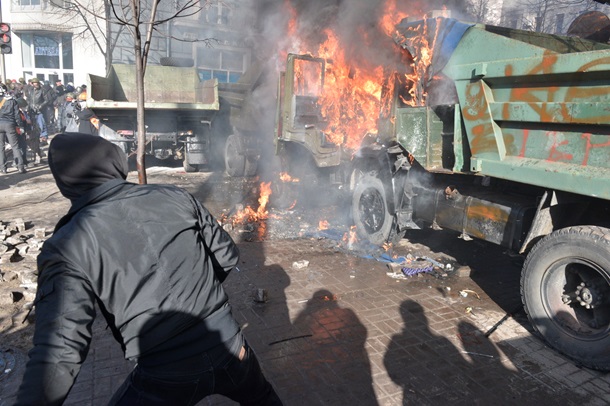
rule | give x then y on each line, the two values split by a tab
419	65
350	101
248	214
323	225
350	238
285	177
351	97
391	17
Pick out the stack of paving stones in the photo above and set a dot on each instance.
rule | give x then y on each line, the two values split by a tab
19	248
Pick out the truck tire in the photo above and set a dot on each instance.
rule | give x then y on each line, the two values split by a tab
565	285
235	160
250	166
370	212
178	62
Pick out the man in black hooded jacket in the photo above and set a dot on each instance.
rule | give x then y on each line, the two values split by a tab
10	120
152	258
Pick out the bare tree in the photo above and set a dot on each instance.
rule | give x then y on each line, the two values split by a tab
539	13
141	21
479	9
89	19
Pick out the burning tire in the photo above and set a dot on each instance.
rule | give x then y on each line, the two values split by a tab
565	286
370	212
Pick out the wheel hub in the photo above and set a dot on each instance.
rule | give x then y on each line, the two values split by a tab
586	294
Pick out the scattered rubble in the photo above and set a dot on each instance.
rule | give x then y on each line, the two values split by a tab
260	296
20	244
302	264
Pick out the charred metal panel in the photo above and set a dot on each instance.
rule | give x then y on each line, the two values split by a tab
492	217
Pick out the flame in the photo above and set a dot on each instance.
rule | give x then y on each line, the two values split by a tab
248	214
351	100
351	97
323	225
350	238
387	246
421	61
391	17
285	177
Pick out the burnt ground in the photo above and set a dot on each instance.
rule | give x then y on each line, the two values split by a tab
292	237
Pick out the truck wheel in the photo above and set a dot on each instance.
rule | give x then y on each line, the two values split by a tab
370	211
565	287
250	166
235	160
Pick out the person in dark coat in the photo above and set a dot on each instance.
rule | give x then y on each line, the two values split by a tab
153	259
10	120
38	100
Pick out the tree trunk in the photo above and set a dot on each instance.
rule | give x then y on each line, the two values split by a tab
140	155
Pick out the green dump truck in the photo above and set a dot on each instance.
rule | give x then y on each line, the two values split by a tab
506	139
179	109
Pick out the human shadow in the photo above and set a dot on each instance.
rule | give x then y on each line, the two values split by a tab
431	369
334	359
472	369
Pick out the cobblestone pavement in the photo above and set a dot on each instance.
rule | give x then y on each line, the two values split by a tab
341	331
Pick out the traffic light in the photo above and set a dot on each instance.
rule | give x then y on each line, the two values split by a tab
5	39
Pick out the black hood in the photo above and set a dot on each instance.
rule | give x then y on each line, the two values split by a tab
81	162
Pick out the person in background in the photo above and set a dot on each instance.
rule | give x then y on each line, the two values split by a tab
66	111
38	100
162	297
49	109
60	90
10	120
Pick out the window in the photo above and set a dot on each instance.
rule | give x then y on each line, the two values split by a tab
219	14
224	65
538	24
47	51
28	2
66	51
559	23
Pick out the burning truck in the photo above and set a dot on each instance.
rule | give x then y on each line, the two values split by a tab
496	133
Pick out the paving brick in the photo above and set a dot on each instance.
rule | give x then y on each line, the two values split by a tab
379	342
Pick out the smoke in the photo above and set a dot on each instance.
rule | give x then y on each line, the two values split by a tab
302	26
293	23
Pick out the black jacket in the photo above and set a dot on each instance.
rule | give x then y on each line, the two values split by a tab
144	254
38	99
9	112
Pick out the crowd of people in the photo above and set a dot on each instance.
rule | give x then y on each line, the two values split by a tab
29	111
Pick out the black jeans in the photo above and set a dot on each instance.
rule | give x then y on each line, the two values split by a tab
8	133
230	369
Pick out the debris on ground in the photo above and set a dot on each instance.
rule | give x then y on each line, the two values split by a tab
20	244
260	296
302	264
465	292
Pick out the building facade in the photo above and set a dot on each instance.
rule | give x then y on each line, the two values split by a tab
49	41
45	44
